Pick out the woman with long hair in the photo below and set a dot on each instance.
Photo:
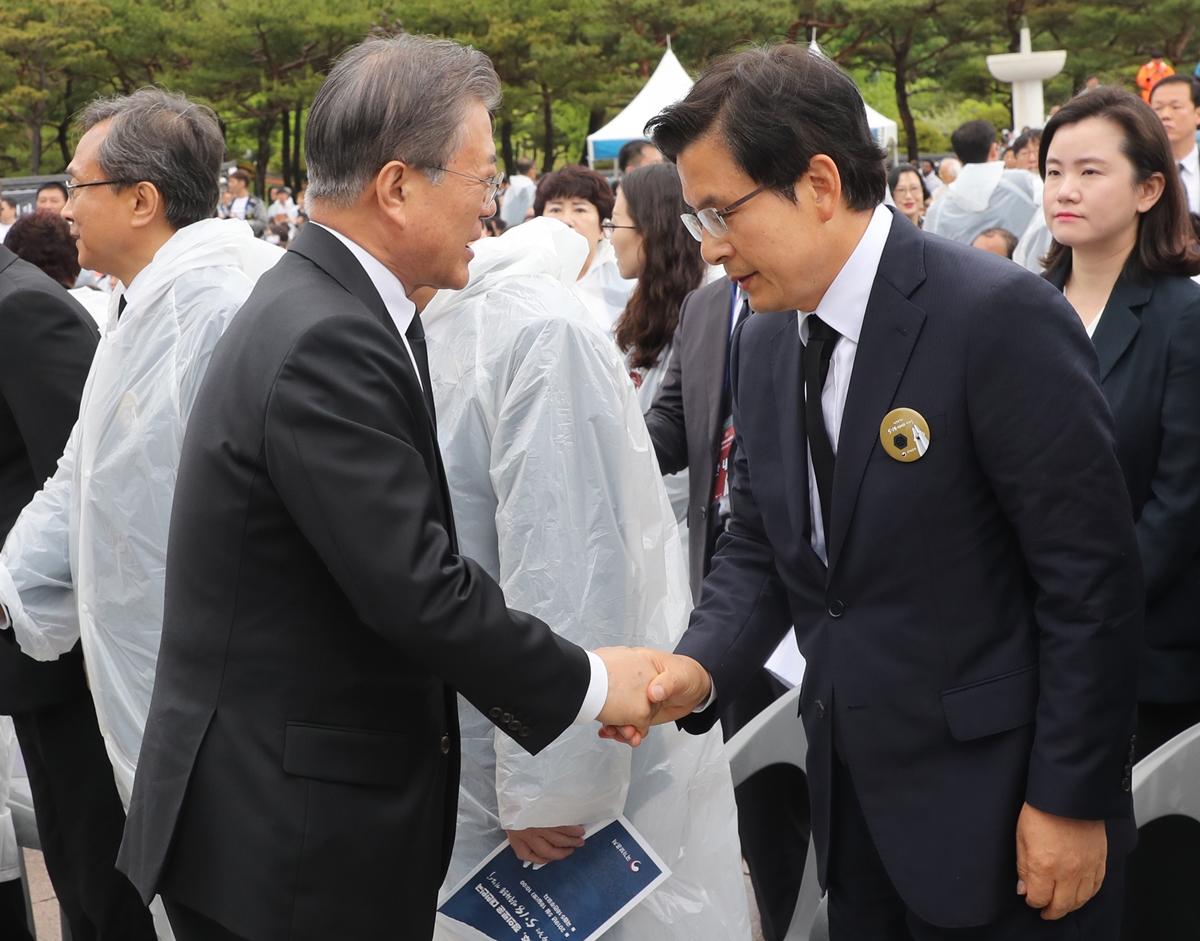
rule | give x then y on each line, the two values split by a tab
652	246
1124	253
583	199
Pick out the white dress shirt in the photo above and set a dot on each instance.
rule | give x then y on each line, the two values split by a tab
402	311
1189	172
843	308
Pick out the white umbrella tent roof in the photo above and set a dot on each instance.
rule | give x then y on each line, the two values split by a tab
670	83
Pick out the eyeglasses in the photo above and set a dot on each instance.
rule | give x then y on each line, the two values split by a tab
72	187
712	221
608	227
492	182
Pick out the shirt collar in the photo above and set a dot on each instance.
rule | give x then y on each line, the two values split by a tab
1191	163
391	291
845	302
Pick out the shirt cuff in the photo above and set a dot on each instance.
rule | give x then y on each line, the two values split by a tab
712	697
597	693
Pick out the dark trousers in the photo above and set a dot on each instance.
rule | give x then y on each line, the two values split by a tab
190	925
80	821
13	924
1162	898
773	817
864	905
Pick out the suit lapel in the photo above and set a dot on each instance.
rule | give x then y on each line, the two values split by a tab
1119	324
713	352
788	385
889	332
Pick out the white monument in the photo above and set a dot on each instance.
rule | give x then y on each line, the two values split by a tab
1026	70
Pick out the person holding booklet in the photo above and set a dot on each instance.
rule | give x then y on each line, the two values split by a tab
557	495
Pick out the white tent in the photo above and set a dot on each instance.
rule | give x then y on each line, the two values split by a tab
669	83
886	131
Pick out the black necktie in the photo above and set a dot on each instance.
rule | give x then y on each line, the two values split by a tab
121	306
821	340
416	340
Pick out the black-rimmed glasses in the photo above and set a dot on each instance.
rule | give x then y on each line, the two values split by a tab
72	187
608	227
712	221
492	183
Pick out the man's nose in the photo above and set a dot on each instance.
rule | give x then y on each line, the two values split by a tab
714	251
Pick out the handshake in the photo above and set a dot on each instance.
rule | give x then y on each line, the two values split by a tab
648	687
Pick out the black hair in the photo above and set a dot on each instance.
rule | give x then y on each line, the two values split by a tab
1179	79
901	168
629	152
775	108
972	142
54	185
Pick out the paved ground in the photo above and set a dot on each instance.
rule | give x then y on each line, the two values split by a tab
41	893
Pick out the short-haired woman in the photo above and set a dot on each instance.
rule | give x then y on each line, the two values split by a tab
908	192
652	247
1124	253
43	238
583	199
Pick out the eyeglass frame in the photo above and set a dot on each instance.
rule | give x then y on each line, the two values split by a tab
72	187
607	227
711	220
493	183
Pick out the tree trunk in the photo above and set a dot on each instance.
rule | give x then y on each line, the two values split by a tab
35	147
64	147
297	138
506	146
286	120
265	127
548	130
595	122
906	116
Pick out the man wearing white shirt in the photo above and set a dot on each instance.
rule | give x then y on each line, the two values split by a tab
302	745
518	198
903	495
1174	100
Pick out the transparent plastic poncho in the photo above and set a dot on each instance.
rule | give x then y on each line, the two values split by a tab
87	557
557	494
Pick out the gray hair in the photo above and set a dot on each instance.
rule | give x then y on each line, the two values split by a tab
162	138
403	98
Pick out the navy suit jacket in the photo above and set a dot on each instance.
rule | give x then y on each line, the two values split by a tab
975	635
1148	344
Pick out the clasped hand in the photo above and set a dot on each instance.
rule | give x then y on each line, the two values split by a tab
648	687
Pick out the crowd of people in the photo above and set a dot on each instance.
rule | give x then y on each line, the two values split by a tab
339	523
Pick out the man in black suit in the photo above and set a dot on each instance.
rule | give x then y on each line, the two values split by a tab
299	771
46	346
691	425
926	485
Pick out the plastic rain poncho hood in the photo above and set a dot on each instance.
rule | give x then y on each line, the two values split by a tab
557	494
983	196
87	557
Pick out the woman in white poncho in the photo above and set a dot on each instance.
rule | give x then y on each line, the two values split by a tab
557	495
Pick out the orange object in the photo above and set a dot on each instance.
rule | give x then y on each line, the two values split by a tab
1151	74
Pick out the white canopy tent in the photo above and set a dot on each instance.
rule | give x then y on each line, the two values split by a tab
670	83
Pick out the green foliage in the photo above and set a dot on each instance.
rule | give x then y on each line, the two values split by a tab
567	66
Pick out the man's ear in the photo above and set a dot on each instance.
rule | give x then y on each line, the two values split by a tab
394	186
825	183
146	202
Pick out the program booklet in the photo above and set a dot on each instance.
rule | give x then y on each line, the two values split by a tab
577	898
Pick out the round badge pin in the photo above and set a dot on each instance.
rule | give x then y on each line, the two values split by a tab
904	434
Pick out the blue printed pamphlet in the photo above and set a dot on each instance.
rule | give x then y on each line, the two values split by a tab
577	898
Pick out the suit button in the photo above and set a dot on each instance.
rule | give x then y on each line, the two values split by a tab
495	712
836	608
526	731
506	718
445	744
820	709
703	512
514	725
1125	782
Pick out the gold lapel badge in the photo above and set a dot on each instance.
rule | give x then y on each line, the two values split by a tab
904	434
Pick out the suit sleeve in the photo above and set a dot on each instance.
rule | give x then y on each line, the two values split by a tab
665	417
46	349
342	448
1169	528
744	611
1053	469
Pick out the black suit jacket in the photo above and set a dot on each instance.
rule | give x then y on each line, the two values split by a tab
47	341
1148	344
685	419
975	636
298	776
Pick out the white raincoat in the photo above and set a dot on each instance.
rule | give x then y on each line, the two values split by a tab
984	196
87	557
557	494
603	291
